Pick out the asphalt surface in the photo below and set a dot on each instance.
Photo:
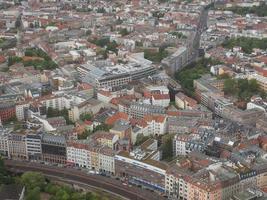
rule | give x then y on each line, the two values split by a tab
108	184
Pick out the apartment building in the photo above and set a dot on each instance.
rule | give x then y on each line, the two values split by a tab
78	154
89	106
7	111
156	124
53	148
4	141
17	145
20	110
107	139
33	146
184	102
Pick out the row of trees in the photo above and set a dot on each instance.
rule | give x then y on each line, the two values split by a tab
86	133
5	177
105	44
156	56
247	44
7	43
177	34
36	184
192	72
243	89
51	112
45	63
166	144
260	11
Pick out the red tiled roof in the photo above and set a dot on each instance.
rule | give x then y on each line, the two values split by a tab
189	100
85	86
160	96
119	115
2	59
157	118
88	122
105	93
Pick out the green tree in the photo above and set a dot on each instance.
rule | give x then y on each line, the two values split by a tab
167	147
247	44
32	180
112	46
88	32
84	135
261	10
51	189
124	32
230	86
33	194
100	10
102	127
86	116
5	177
140	139
192	72
13	59
155	56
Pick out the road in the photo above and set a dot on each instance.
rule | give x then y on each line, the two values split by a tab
73	175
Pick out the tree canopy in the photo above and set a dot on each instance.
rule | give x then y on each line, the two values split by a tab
192	72
260	11
5	177
247	44
51	112
243	89
36	183
167	147
156	56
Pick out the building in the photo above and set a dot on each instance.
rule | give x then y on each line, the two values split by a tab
86	154
142	166
156	124
103	74
177	60
184	102
261	80
7	111
17	145
201	179
122	129
33	146
54	148
185	143
139	110
20	110
78	154
107	139
182	125
91	106
160	100
4	141
257	102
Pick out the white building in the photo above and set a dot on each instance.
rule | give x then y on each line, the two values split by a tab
179	145
33	146
160	100
156	124
20	108
257	102
4	141
78	154
106	160
92	106
105	96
